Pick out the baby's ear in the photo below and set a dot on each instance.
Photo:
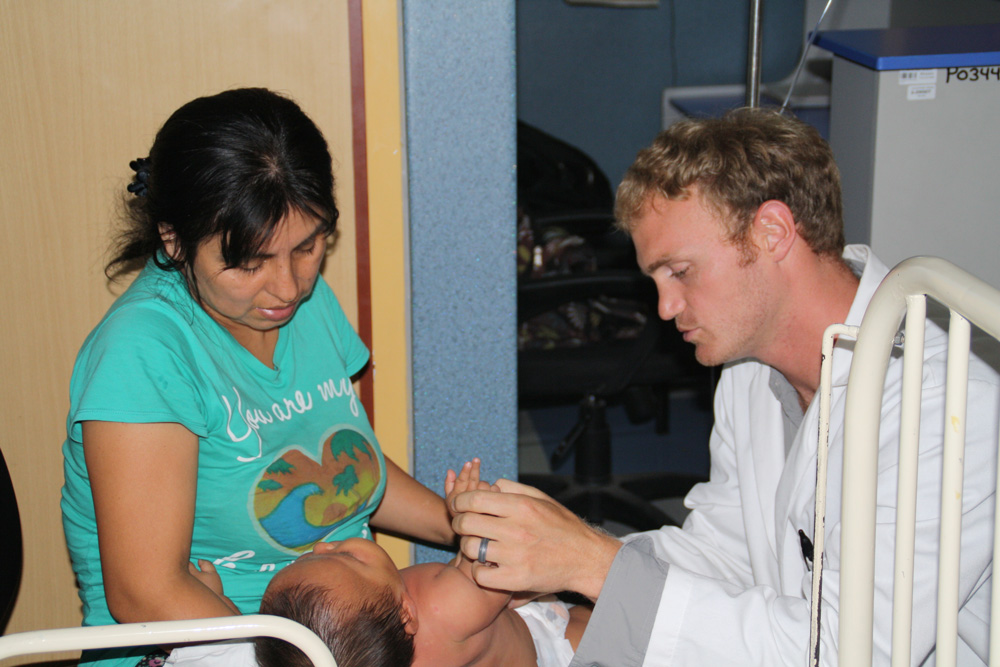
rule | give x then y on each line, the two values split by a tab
409	614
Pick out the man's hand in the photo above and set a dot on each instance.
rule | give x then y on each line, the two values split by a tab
535	543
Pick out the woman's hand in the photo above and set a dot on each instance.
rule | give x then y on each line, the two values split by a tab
536	544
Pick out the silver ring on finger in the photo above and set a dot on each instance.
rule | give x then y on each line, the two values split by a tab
483	545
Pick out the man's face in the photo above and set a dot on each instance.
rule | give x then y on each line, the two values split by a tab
717	300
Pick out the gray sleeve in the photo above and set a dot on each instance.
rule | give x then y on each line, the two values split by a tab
620	628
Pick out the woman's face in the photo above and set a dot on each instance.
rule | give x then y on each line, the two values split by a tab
262	295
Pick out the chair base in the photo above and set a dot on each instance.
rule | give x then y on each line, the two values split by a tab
624	499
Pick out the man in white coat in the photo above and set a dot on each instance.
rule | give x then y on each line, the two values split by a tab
739	222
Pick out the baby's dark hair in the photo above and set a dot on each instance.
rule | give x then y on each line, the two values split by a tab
371	634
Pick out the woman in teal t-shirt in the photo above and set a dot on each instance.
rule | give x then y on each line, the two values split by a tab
212	414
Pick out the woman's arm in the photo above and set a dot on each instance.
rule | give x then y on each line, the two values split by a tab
143	478
410	508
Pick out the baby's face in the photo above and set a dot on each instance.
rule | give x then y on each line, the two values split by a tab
352	568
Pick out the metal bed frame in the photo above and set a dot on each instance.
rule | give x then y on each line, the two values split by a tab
904	290
168	632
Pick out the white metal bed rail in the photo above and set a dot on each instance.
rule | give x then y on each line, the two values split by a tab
166	633
904	290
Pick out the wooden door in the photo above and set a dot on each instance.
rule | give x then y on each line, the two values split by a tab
86	85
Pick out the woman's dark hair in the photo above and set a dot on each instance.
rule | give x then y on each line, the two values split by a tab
232	164
371	634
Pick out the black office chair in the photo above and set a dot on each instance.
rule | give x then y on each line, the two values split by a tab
619	352
11	547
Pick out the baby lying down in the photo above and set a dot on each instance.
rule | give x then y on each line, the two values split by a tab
371	614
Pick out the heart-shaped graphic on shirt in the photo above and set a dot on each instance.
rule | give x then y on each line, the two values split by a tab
299	501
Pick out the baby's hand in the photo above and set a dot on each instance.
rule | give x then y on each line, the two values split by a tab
209	577
466	480
206	574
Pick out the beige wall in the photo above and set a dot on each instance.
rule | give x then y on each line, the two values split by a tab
86	85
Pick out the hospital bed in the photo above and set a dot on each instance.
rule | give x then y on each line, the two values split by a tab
970	301
904	291
163	633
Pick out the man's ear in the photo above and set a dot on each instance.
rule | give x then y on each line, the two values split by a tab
774	228
409	609
169	238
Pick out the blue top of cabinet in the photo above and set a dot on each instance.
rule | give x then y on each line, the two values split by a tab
916	48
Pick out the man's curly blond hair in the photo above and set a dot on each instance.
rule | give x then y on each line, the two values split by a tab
738	162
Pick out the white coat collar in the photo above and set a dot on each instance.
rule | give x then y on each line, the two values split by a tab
871	277
793	497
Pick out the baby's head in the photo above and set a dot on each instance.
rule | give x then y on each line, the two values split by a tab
351	595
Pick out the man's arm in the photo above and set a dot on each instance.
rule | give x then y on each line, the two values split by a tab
707	617
620	628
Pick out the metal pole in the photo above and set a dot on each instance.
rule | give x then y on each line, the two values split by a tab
753	55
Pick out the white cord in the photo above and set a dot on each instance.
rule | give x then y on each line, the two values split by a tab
805	52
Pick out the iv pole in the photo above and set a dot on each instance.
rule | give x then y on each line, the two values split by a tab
753	55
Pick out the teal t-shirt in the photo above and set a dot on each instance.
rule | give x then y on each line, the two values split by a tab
287	457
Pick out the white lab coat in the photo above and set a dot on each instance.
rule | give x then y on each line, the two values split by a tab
737	588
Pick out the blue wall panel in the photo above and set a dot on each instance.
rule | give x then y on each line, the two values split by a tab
460	127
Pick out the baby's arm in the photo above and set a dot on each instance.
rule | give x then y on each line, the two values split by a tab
468	479
471	608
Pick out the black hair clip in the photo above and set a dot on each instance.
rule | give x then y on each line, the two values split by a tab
139	186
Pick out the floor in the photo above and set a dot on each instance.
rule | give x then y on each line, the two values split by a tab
636	447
